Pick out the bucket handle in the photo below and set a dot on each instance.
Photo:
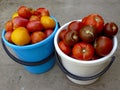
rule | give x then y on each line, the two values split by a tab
24	62
80	77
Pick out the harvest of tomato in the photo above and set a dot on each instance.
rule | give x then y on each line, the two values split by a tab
88	39
36	24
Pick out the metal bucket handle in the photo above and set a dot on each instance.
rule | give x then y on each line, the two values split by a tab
80	77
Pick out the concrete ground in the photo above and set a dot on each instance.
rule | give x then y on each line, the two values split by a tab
14	77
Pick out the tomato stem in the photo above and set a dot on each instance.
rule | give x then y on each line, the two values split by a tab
113	28
74	37
97	19
89	32
83	50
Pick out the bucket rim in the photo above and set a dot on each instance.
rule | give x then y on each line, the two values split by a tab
98	61
43	42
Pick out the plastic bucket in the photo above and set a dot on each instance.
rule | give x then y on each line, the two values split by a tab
36	58
83	72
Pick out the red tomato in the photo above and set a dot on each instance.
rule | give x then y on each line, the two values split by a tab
95	20
9	25
64	48
103	45
83	51
48	32
62	34
24	12
37	36
34	25
74	25
8	36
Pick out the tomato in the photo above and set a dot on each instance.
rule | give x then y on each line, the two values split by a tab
34	25
37	36
71	37
64	48
24	12
95	20
62	34
83	51
9	25
48	32
103	45
43	11
110	29
8	36
87	33
74	25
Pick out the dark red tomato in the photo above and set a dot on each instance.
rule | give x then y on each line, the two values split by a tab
62	34
74	25
87	33
83	51
103	45
110	29
94	20
64	48
71	37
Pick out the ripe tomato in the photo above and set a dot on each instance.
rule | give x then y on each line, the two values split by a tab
83	51
48	32
94	20
110	29
62	34
43	11
34	25
87	33
8	36
71	37
74	25
64	48
9	25
103	45
24	12
37	36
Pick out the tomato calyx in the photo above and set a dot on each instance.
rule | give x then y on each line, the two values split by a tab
113	28
74	37
71	37
87	33
83	51
97	19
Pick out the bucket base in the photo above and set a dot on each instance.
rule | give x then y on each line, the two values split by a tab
82	82
41	68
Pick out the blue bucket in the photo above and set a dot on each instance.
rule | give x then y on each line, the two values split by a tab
36	58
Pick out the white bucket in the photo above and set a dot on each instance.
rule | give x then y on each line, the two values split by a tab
83	68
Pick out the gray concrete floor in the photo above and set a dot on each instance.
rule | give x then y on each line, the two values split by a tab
14	77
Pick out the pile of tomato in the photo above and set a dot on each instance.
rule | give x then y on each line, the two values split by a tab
88	39
29	26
